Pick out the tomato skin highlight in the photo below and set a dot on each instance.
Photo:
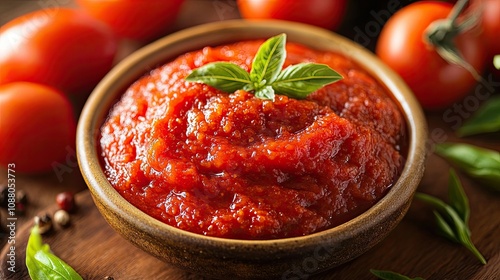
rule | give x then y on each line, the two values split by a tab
37	127
326	14
135	19
59	47
491	26
436	83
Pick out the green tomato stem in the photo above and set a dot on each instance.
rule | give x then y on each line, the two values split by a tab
441	36
457	10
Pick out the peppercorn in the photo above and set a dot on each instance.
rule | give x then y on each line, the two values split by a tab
66	201
44	223
62	218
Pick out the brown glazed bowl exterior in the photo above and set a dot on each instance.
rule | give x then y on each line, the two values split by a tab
290	258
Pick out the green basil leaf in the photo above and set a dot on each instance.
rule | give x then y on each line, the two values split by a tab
299	80
458	198
224	76
266	92
479	163
496	61
485	120
461	232
444	227
442	209
42	264
269	60
390	275
437	203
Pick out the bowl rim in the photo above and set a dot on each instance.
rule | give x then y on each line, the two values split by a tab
89	126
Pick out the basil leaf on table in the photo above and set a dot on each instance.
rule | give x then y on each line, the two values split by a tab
266	76
225	76
479	163
485	120
444	227
300	80
452	219
458	198
43	264
269	60
390	275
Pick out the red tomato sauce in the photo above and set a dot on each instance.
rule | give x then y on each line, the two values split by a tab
235	166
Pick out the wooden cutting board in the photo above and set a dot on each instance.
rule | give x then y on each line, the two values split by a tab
91	246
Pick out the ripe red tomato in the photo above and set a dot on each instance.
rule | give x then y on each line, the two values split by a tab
326	14
135	19
435	82
38	126
59	47
491	25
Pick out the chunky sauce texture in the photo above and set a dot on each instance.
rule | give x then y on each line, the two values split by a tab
235	166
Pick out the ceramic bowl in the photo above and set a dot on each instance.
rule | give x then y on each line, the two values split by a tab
240	259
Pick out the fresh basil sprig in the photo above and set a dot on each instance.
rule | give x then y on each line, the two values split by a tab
452	219
486	119
267	76
390	275
479	163
268	61
43	264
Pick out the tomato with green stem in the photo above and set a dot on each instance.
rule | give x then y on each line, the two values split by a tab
38	126
60	47
327	14
141	20
436	82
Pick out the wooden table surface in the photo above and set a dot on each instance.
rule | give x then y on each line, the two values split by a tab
412	248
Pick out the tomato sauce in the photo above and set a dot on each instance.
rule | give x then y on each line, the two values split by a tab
235	166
